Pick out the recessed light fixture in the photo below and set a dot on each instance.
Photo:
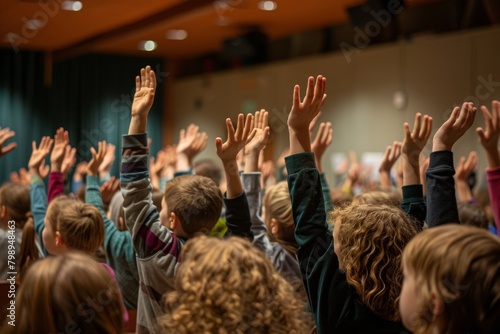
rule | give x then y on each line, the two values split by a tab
35	24
268	5
147	45
73	6
177	34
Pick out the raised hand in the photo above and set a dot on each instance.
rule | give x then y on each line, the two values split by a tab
61	141
236	140
413	145
145	87
69	159
466	167
22	178
191	143
155	168
489	136
107	163
455	127
321	142
170	161
391	155
6	134
259	141
303	113
80	170
108	189
97	158
36	164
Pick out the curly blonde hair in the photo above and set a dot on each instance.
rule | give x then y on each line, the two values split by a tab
459	265
372	239
229	286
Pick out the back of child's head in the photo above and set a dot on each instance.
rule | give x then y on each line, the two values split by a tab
229	286
80	225
67	293
377	197
456	270
472	214
210	169
276	204
15	198
197	202
372	239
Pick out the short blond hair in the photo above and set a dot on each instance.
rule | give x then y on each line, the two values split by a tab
229	286
460	265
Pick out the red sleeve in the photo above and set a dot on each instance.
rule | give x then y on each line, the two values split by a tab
493	178
56	185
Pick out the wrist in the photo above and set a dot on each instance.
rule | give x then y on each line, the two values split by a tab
55	167
439	146
33	171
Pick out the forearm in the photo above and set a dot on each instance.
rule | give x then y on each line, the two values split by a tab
56	185
464	193
411	170
413	202
234	186
238	219
493	157
385	179
183	163
441	200
299	141
251	162
138	125
93	193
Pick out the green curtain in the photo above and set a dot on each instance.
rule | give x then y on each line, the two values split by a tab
90	96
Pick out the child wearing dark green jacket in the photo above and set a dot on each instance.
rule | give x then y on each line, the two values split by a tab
353	277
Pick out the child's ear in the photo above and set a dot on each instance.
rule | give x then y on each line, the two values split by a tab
173	221
3	211
59	239
275	226
121	224
437	306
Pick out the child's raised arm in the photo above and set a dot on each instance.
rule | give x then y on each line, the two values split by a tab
303	112
463	171
441	199
237	215
5	135
191	143
391	155
56	177
145	87
412	190
489	140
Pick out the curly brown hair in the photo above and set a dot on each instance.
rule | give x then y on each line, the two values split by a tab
372	239
229	286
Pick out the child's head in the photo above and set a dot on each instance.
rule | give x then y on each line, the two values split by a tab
192	204
472	214
377	197
71	224
68	293
277	212
369	242
14	203
452	281
229	286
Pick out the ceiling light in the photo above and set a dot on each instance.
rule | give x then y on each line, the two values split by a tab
177	34
34	24
73	6
147	45
268	5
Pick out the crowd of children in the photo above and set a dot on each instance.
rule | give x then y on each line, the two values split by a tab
198	249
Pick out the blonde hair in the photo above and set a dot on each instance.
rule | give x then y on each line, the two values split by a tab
196	200
80	224
229	286
372	239
460	266
67	291
378	197
278	205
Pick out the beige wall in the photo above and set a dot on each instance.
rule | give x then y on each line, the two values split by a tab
436	72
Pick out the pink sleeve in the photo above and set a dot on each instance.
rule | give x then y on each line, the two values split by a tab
56	185
112	274
493	178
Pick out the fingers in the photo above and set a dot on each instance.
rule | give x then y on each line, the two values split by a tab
248	131
296	96
416	125
230	128
310	90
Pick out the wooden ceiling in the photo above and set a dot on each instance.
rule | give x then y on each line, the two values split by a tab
117	26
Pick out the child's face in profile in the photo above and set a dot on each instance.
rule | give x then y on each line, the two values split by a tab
408	300
49	238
